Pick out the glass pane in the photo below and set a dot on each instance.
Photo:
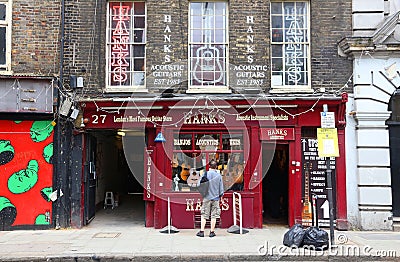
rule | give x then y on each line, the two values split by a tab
301	8
208	22
184	174
277	35
220	22
208	8
195	8
220	8
277	50
196	36
220	36
2	46
277	79
139	22
294	35
301	21
276	21
291	24
289	8
139	8
293	76
139	36
119	76
233	175
2	12
276	8
277	64
138	51
138	79
196	22
208	36
139	64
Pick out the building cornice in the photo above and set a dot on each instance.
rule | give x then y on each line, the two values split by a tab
381	40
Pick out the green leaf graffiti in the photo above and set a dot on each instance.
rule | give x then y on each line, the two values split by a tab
23	180
6	152
41	130
42	220
45	192
8	212
48	153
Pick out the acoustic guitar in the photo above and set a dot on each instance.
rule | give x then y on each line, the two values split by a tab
193	177
238	173
185	171
306	213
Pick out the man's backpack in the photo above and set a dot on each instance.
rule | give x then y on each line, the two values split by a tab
203	187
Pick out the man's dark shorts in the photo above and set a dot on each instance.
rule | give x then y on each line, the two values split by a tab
210	208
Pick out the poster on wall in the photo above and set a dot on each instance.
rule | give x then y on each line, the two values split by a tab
26	155
315	184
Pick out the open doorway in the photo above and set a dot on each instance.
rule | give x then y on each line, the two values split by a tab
275	185
118	196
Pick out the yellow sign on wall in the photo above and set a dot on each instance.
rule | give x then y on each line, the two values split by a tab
328	145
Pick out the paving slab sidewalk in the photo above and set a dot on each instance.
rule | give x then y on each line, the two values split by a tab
138	243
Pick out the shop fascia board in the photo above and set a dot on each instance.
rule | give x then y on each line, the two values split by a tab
142	103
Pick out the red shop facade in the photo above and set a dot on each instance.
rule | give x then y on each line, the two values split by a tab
266	150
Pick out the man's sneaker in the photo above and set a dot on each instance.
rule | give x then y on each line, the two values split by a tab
200	234
212	234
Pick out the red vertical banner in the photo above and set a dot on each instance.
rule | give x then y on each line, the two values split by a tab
149	174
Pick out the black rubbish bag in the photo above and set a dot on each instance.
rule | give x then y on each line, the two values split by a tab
294	237
316	237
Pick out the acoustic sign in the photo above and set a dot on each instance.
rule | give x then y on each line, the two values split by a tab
315	182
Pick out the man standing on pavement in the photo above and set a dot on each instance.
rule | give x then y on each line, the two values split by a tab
210	206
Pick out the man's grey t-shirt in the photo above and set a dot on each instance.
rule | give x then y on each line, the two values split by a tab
216	187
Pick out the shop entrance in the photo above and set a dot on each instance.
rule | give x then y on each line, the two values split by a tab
275	184
113	180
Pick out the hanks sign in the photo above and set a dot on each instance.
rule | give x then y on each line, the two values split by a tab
277	134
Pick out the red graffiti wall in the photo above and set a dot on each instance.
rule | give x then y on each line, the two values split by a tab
26	172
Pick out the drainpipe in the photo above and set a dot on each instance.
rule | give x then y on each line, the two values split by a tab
62	41
57	173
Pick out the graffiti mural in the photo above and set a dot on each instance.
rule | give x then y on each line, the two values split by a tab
26	173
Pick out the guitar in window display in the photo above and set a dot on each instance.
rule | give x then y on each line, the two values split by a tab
306	214
194	175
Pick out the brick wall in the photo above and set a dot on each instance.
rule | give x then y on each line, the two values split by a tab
330	22
86	24
35	37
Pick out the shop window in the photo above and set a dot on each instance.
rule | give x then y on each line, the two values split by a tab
192	152
290	46
5	35
208	47
126	38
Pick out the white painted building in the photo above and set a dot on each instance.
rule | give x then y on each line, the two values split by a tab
375	50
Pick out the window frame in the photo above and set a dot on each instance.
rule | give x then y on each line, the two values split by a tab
5	69
305	45
212	88
132	87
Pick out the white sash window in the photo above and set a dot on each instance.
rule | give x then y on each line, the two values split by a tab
126	38
290	46
208	47
5	35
